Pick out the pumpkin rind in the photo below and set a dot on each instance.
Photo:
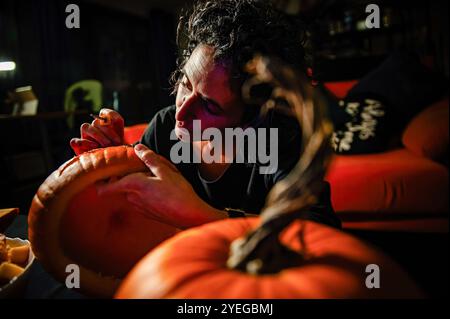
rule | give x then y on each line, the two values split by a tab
52	199
192	264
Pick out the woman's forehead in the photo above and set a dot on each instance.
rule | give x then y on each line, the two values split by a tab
200	63
207	74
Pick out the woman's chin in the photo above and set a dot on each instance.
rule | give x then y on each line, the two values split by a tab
183	134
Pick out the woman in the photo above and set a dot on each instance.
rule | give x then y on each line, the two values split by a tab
220	38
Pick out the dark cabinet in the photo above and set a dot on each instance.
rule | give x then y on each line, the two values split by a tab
31	148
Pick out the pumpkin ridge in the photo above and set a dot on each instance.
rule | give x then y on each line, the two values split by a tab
179	291
63	167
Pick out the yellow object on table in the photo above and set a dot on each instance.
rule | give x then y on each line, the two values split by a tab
9	270
19	255
12	258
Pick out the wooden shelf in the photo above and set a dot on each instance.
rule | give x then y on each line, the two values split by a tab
42	116
368	32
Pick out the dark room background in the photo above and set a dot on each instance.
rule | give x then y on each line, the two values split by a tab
129	53
129	46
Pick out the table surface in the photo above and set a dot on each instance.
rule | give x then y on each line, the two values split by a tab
40	285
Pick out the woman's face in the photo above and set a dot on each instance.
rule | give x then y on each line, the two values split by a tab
204	94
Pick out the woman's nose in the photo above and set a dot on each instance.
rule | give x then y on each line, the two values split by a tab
186	108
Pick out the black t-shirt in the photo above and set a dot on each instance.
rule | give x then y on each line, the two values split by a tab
241	186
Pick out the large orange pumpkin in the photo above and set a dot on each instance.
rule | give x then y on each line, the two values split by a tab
70	223
193	264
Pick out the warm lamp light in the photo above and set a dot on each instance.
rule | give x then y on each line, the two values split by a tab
7	66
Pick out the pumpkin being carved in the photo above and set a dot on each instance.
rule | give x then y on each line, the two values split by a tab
70	223
193	264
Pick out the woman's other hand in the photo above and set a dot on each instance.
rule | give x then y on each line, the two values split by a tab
163	193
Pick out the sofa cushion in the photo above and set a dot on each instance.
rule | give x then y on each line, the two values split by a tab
396	181
340	88
133	133
427	134
417	225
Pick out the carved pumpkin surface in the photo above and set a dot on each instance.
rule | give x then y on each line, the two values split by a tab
193	264
69	223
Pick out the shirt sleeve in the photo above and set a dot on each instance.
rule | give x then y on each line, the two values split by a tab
149	137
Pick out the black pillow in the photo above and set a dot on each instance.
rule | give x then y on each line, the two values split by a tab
404	84
377	108
367	129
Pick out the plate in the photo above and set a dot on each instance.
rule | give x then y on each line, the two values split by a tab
17	285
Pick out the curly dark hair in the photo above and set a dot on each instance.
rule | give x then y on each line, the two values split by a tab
238	30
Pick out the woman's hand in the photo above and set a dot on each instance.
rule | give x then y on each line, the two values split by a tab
100	133
163	194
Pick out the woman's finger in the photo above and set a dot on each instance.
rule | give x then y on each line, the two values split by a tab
157	164
152	160
80	145
108	131
138	204
92	133
169	163
114	120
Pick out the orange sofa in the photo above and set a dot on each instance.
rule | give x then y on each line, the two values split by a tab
402	189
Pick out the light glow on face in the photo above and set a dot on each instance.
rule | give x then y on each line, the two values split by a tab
204	94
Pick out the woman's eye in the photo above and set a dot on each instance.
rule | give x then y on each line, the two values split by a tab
211	108
185	83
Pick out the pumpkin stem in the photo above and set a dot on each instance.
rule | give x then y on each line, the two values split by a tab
261	250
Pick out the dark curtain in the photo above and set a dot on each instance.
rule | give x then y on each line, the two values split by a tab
50	56
162	27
